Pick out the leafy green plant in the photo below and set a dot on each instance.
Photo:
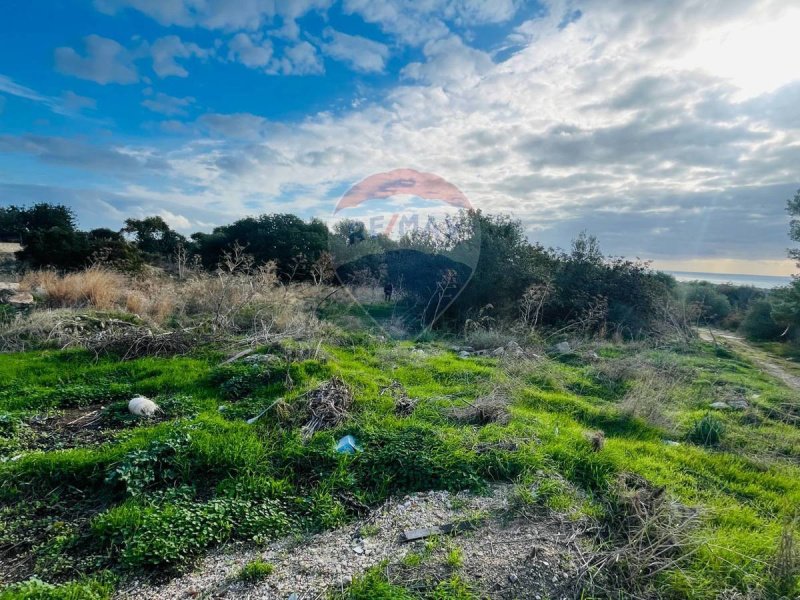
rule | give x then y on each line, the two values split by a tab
98	588
141	468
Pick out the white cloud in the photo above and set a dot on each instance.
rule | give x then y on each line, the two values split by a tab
449	62
216	14
168	105
300	59
174	220
75	103
592	125
360	53
166	50
105	61
249	50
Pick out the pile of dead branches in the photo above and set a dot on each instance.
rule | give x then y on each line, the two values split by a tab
328	405
648	533
403	404
136	342
491	408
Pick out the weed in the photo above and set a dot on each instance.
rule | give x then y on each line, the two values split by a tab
369	530
454	558
708	431
255	570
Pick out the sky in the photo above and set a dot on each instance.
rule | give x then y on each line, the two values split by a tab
670	130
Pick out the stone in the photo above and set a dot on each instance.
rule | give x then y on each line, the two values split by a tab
719	405
498	351
738	404
563	348
21	299
464	354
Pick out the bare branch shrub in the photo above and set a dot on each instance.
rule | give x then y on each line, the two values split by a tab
646	534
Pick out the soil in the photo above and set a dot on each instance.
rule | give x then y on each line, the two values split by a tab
503	557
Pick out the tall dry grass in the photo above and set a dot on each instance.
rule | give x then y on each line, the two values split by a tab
228	301
95	287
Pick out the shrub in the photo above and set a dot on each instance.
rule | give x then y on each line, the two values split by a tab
255	570
758	323
708	431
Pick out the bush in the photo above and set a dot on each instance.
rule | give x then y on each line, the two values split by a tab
758	323
708	431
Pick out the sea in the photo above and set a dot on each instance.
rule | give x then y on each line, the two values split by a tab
759	281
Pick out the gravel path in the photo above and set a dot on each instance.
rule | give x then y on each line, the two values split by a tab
517	558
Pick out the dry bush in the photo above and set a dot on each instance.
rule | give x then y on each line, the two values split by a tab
647	399
404	405
646	534
491	408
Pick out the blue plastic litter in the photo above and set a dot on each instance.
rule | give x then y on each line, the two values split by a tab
348	445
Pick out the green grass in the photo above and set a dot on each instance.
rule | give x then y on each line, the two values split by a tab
220	478
255	570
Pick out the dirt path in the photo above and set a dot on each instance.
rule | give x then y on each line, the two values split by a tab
768	363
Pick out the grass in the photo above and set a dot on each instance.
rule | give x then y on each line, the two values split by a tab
219	478
255	570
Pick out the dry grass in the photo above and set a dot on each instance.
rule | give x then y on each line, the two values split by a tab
95	287
647	533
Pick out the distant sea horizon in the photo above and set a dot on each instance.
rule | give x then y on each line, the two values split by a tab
759	281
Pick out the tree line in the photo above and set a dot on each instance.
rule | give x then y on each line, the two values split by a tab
471	270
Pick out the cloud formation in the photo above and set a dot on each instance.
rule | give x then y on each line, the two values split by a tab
615	116
105	61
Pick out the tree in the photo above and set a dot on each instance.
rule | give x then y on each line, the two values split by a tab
292	243
154	237
17	222
759	324
793	208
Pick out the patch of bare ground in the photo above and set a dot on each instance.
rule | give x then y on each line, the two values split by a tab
501	557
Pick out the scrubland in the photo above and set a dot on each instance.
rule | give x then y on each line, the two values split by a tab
673	498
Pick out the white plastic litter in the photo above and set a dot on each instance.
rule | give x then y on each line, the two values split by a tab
143	407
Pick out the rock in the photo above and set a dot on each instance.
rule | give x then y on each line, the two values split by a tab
514	349
593	356
672	443
20	299
260	359
512	578
563	348
498	351
738	404
143	407
719	405
464	354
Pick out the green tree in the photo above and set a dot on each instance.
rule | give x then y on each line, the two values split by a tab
17	222
153	236
758	323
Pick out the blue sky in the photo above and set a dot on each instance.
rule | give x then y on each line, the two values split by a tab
671	130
